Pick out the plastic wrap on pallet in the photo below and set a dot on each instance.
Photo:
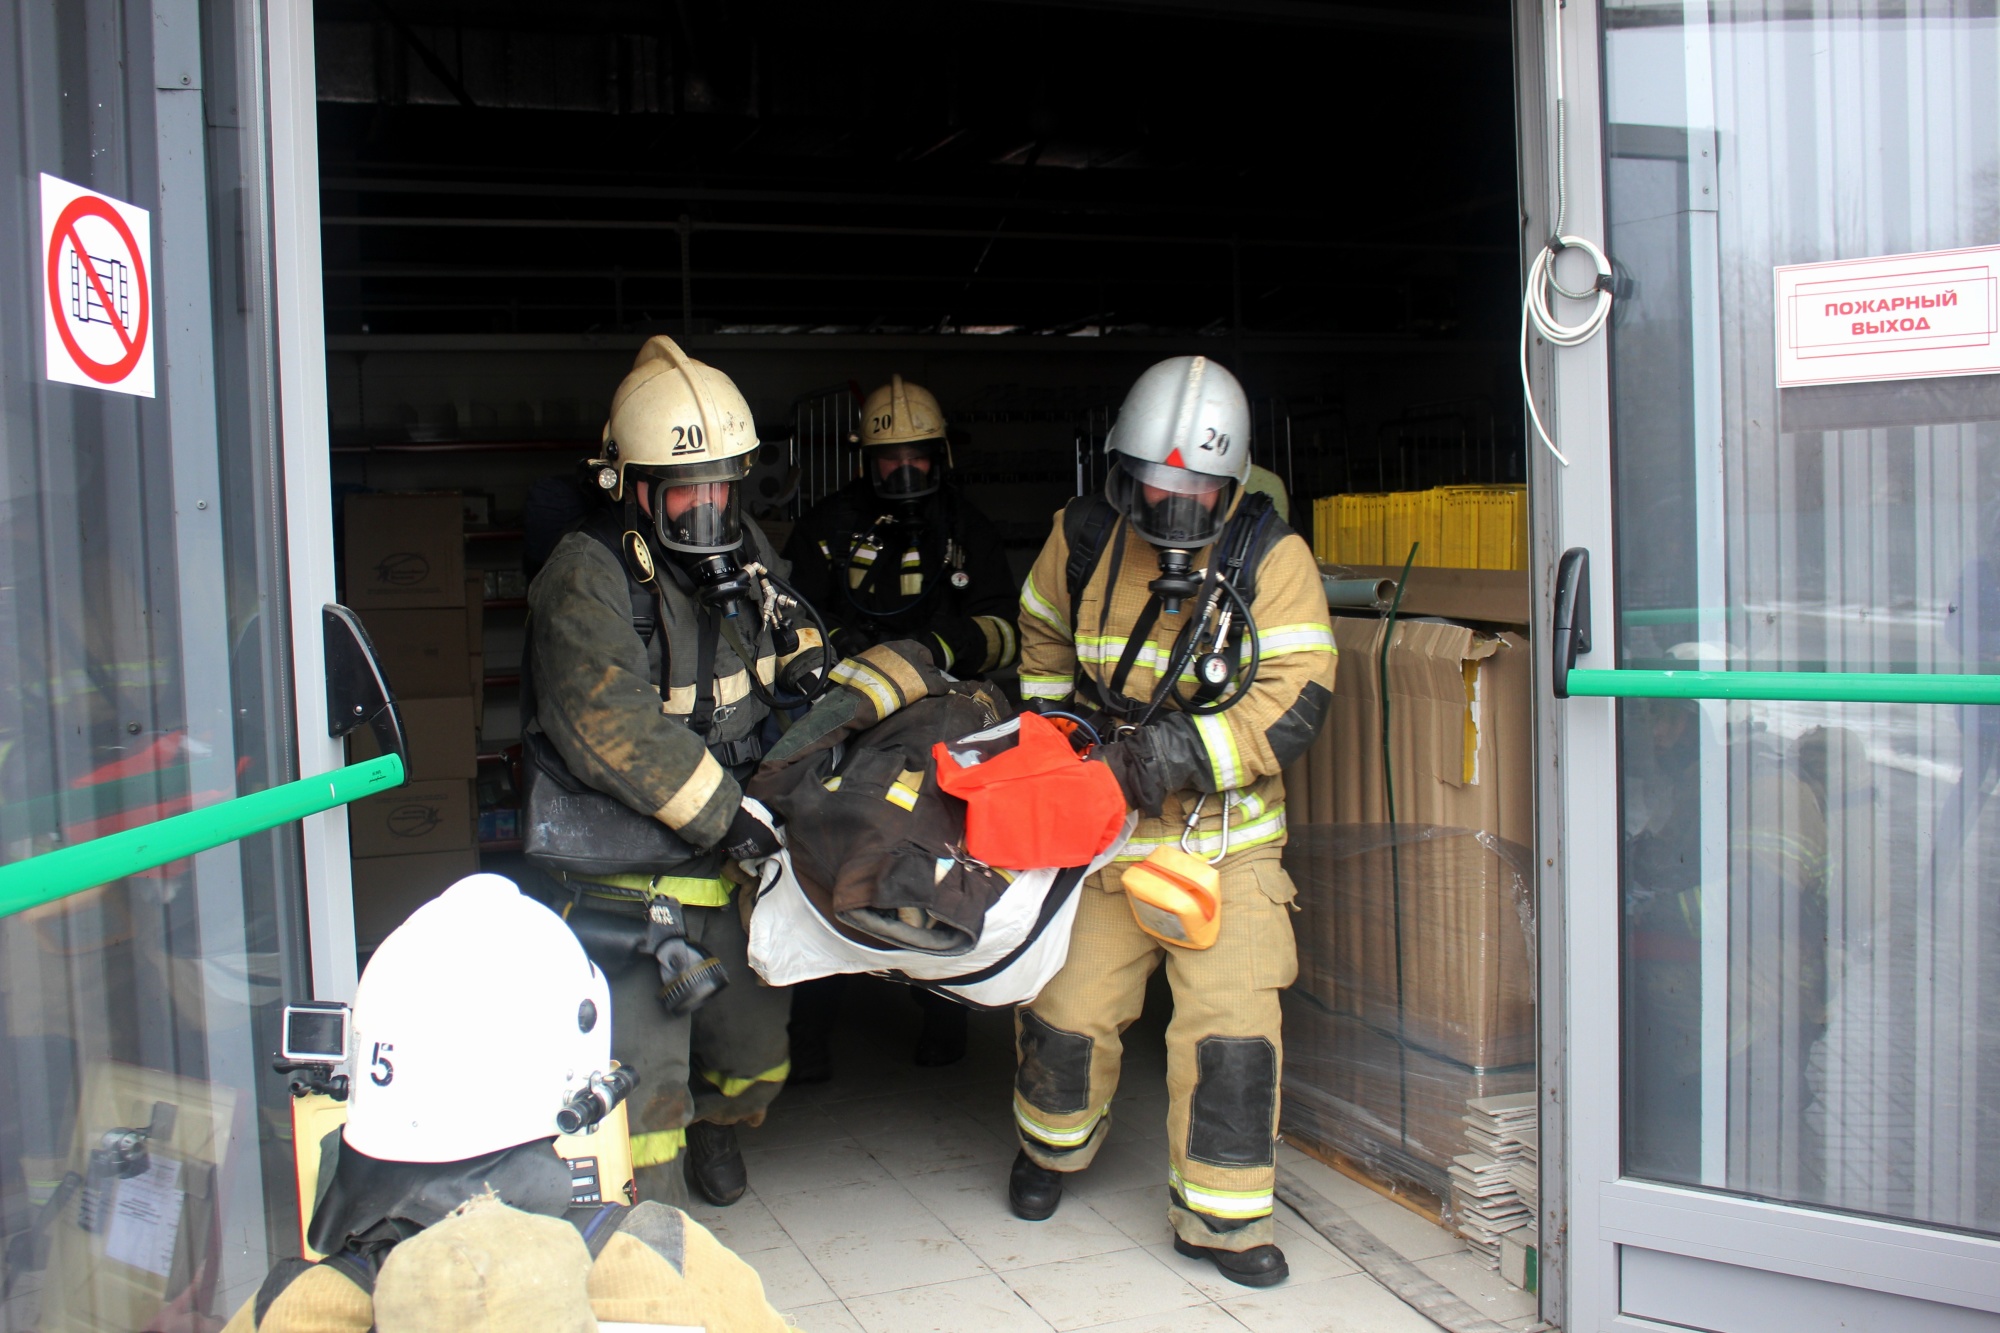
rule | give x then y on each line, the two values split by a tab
1415	990
1423	931
1394	1109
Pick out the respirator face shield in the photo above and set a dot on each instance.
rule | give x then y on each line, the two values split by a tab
1169	506
906	471
697	510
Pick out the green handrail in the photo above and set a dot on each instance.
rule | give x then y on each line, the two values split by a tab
40	879
1847	687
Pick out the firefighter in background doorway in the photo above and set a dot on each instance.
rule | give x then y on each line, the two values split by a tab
479	1030
1123	624
657	648
899	553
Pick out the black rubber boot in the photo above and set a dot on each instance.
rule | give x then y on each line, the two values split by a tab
715	1167
942	1042
1033	1191
1258	1266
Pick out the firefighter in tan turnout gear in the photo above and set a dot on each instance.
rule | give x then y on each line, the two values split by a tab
658	645
479	1031
1186	624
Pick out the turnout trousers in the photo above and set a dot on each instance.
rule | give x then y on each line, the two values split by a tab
724	1063
1224	1049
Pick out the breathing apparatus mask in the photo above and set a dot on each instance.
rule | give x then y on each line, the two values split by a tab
917	471
1177	510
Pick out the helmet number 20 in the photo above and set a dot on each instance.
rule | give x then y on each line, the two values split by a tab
380	1071
1216	443
687	439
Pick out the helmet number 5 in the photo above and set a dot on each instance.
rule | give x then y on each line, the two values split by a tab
380	1071
1216	443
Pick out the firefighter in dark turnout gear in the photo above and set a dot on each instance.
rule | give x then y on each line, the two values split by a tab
899	553
653	662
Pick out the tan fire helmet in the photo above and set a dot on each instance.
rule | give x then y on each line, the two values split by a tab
680	422
676	418
904	418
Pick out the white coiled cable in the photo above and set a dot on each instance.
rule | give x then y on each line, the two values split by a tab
1535	306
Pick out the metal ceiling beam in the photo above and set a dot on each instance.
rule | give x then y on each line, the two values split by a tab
1299	13
728	195
938	233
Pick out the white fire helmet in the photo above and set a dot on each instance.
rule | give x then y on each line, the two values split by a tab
676	421
473	1024
1180	451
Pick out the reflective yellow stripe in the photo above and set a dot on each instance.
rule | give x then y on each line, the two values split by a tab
903	791
1221	1203
1242	837
681	698
736	1087
1224	761
1038	606
681	888
1282	639
945	655
808	640
1036	686
858	675
658	1146
1056	1138
687	804
1001	643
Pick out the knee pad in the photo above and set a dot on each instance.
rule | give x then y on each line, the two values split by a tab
1235	1097
1054	1074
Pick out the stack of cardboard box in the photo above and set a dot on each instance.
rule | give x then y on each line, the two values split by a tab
405	575
1415	987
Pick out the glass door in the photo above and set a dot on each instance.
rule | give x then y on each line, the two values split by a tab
1792	1117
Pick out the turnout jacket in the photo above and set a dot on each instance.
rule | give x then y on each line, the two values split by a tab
619	707
658	1267
1237	757
850	559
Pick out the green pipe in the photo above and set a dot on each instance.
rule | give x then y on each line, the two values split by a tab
1846	687
52	875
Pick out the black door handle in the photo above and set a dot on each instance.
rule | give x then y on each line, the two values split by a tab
1572	619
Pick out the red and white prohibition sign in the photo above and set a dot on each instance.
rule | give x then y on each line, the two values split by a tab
97	298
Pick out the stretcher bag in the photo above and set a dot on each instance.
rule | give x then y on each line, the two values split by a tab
1023	946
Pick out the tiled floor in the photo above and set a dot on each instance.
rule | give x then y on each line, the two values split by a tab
879	1203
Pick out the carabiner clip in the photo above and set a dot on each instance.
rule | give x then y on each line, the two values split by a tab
1194	818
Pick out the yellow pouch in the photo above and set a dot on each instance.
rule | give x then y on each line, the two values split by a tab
1176	898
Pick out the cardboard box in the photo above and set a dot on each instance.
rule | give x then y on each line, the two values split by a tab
1353	1089
1453	878
440	735
1487	596
475	612
422	652
405	551
416	817
388	888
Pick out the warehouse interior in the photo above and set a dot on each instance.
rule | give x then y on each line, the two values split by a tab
1019	204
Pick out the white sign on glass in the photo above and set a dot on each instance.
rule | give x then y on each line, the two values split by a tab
1898	317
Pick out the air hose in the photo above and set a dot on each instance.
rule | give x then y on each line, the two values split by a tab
770	697
1536	310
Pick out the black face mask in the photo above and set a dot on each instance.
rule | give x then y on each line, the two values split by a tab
908	481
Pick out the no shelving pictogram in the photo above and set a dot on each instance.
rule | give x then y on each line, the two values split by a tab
97	300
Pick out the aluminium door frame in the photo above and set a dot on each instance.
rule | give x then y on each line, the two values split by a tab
1590	1210
298	307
